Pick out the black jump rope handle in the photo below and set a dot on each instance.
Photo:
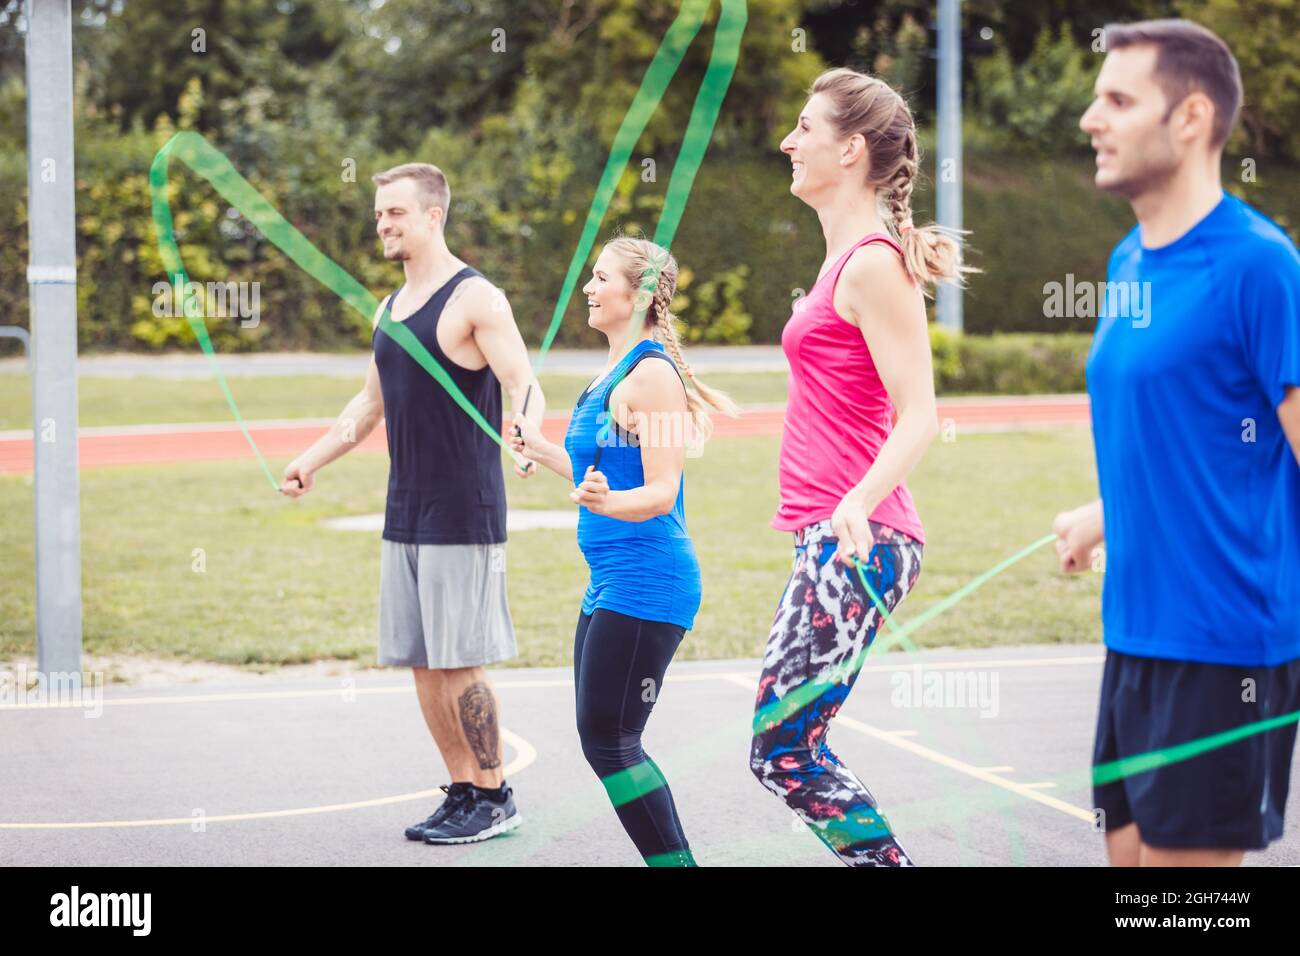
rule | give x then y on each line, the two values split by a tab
519	433
528	467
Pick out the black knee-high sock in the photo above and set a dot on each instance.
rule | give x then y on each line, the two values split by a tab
619	665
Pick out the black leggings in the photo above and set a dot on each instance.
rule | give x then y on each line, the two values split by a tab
618	672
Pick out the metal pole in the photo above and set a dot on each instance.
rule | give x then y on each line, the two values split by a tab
949	165
52	279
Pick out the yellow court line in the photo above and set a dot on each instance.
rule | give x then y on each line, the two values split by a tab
525	756
962	767
894	740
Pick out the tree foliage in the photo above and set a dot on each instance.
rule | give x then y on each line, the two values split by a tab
519	101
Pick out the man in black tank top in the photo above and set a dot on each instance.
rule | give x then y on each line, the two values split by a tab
442	608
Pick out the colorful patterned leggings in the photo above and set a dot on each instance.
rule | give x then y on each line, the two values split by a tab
824	621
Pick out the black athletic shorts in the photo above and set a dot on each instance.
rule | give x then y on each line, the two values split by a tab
1230	797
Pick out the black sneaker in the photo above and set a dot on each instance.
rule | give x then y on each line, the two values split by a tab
456	792
476	818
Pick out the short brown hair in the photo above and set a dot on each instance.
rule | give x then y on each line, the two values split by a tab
1188	58
432	184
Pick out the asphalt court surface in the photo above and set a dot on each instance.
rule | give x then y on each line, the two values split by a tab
277	771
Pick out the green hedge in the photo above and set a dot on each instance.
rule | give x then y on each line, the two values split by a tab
746	246
1009	364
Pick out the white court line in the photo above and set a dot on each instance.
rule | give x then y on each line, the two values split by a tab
894	740
906	664
752	681
339	692
292	694
222	427
226	425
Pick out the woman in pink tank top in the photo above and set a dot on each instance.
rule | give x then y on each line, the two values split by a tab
861	413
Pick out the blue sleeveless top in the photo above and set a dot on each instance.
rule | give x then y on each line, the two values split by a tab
445	484
644	569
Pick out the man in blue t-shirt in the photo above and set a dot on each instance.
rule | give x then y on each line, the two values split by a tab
1194	378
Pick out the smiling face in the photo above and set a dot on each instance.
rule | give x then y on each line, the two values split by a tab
1129	124
610	297
815	150
406	228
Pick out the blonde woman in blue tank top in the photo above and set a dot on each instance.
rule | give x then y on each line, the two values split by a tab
627	439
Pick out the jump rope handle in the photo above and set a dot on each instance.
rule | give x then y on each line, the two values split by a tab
519	433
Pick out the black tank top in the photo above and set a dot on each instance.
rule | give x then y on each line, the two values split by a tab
445	483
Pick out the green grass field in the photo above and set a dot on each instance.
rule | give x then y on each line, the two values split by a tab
135	401
279	587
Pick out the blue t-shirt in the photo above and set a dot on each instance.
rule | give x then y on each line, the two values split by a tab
1200	489
644	569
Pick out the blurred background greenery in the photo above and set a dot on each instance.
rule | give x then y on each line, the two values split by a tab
294	91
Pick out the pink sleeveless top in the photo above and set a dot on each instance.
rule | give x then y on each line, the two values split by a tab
838	414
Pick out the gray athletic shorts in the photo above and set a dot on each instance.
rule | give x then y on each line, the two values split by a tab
443	605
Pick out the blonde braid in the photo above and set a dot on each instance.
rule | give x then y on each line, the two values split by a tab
645	261
665	331
900	190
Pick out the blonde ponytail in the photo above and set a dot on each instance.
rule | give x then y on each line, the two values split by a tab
870	107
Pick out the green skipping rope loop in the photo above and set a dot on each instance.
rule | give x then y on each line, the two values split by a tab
1152	760
1102	774
629	784
1124	767
699	131
208	162
777	711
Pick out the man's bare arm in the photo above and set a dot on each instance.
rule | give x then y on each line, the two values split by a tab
357	420
498	338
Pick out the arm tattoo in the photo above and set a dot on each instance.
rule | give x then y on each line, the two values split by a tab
478	717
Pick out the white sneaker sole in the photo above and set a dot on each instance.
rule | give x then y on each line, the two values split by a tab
504	826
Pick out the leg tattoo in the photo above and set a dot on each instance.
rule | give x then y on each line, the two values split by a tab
478	716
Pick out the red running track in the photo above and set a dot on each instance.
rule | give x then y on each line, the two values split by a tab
152	444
